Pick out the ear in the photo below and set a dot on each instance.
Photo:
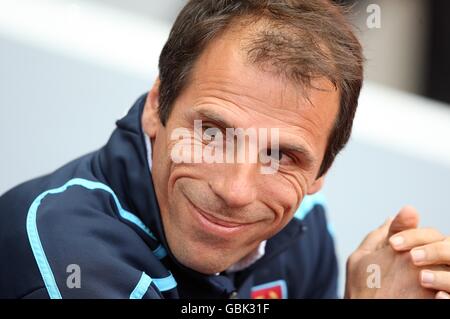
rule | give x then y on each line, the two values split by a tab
150	117
317	185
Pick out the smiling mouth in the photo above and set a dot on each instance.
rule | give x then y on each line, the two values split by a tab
216	225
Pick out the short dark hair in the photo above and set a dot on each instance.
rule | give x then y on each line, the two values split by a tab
303	40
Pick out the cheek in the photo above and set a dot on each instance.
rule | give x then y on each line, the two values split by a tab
176	206
283	194
160	165
166	168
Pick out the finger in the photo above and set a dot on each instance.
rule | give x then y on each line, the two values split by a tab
442	295
432	254
407	218
374	238
411	238
439	280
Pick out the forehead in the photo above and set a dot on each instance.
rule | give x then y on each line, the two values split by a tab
223	78
223	70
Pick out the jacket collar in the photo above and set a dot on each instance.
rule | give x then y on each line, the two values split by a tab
123	163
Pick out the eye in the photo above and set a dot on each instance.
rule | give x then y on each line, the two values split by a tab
211	130
282	157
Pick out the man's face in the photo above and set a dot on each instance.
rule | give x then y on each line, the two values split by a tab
216	214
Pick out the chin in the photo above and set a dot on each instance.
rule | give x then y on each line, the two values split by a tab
204	265
205	260
208	268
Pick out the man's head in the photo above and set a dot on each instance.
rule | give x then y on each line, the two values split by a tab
289	65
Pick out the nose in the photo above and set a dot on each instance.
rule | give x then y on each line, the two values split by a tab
236	185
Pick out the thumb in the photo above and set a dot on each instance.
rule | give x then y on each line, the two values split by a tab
407	218
376	238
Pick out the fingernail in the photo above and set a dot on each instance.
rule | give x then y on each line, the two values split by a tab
418	255
442	295
397	241
427	277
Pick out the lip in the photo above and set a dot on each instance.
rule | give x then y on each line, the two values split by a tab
215	225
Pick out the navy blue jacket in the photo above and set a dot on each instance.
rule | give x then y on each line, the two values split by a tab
97	218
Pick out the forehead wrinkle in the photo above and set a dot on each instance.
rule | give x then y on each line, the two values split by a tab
285	115
236	85
235	93
222	89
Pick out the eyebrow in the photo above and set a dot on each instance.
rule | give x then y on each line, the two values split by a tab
305	153
215	117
